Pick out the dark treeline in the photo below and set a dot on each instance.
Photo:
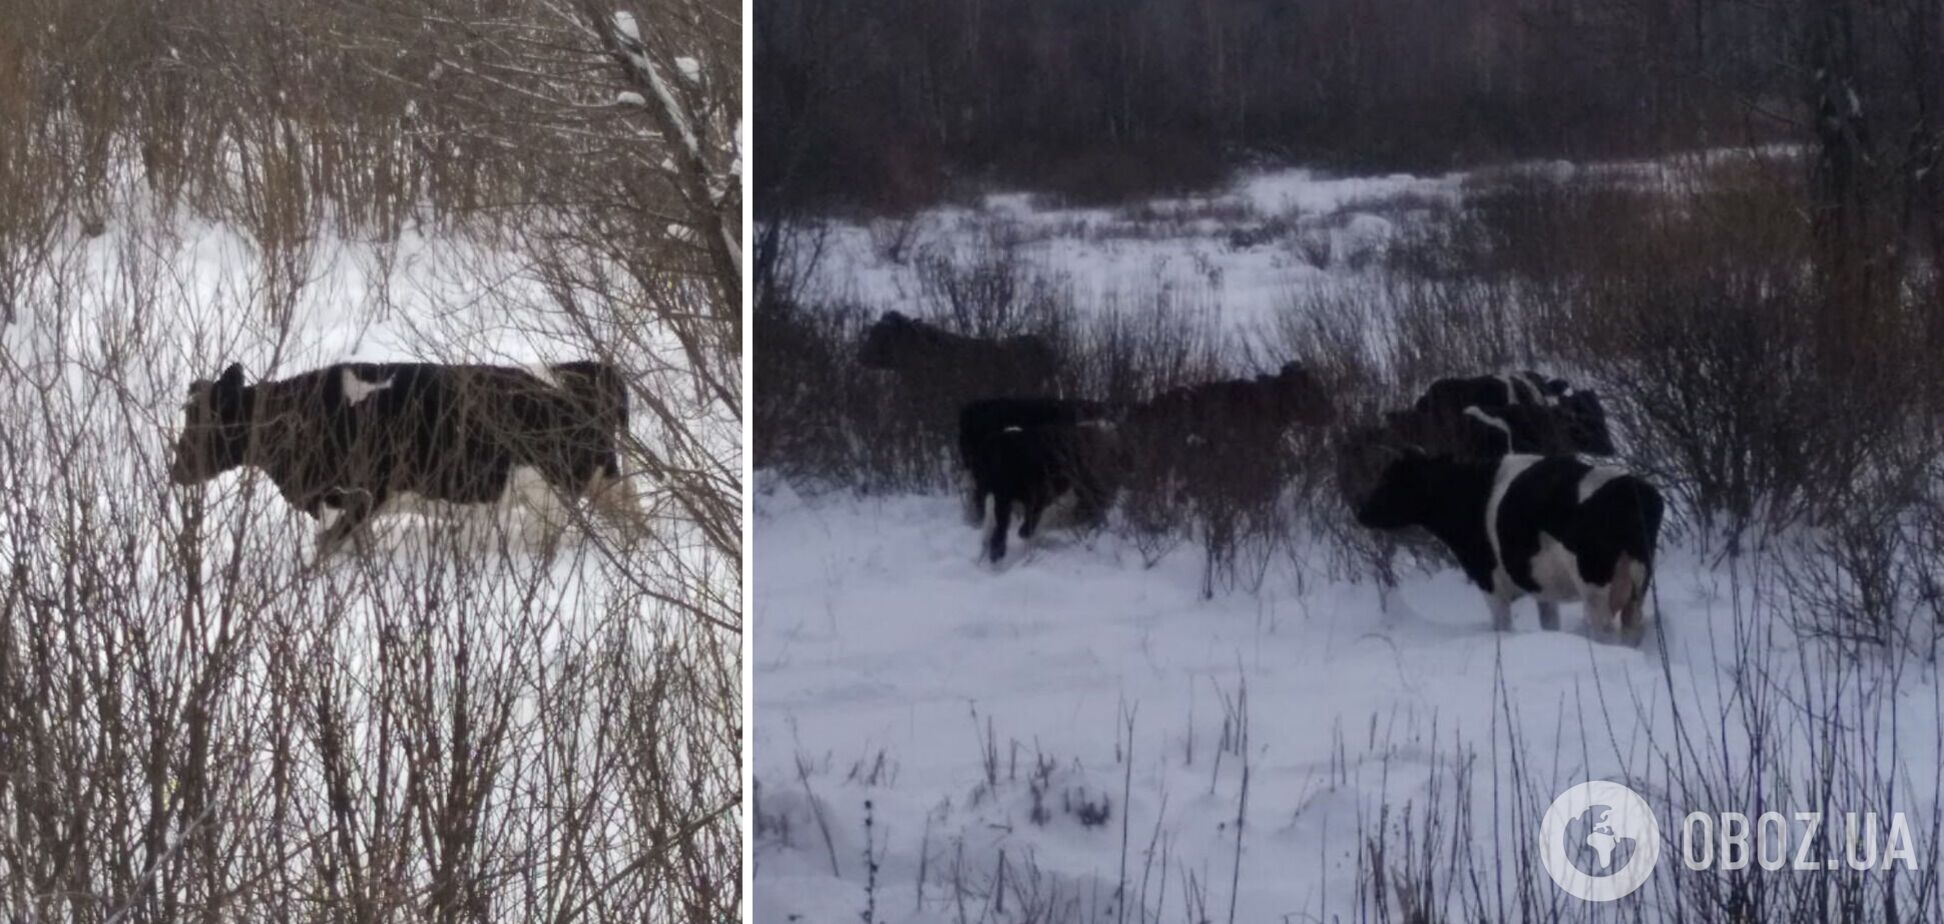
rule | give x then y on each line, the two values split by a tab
887	103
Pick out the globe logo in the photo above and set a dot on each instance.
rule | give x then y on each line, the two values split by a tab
1599	841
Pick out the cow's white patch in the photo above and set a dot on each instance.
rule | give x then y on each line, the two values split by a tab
544	373
1527	389
1479	414
1510	468
1013	430
1511	389
357	389
1556	570
1596	479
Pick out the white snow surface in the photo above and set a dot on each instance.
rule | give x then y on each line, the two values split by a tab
884	647
1241	251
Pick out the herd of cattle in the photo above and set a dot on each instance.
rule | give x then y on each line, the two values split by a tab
1490	465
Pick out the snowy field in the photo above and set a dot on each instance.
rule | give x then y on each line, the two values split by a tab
1242	251
1074	736
1239	251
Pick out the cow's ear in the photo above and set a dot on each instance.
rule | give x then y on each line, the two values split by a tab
198	393
227	395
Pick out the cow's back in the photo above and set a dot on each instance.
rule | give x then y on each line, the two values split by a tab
457	432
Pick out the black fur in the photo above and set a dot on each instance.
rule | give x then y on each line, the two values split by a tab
934	359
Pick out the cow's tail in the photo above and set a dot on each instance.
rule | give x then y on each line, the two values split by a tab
1634	573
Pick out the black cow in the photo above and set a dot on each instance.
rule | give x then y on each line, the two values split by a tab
1033	464
1224	444
937	359
1488	416
1553	527
980	420
354	436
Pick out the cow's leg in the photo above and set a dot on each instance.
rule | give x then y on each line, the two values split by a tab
355	508
1090	498
1501	611
975	501
1628	596
1599	608
1002	505
1548	615
618	501
538	503
1029	524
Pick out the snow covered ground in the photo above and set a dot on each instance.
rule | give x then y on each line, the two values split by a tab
1240	251
936	740
905	690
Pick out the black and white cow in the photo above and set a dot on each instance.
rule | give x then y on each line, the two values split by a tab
1455	394
357	437
1481	433
1552	527
981	420
1488	416
934	359
1032	465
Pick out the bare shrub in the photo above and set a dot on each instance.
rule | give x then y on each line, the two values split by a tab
1709	331
991	291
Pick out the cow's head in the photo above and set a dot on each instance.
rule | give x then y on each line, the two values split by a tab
1362	455
888	342
1406	492
1304	396
1549	389
215	428
1585	422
